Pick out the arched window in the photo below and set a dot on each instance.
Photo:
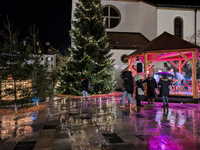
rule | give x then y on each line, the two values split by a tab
178	27
111	15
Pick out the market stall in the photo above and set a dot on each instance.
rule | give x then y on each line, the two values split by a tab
167	47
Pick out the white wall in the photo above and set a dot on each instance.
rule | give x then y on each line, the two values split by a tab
165	21
148	20
119	65
129	16
73	9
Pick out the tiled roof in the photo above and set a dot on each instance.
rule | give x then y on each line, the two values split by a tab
163	42
174	2
121	40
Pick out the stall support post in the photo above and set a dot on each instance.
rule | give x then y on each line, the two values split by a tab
194	86
145	70
129	63
180	64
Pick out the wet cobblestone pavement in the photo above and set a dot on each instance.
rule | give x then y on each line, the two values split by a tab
99	123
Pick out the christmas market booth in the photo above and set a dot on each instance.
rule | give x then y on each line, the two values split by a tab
168	48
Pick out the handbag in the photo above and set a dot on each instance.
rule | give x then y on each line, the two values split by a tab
140	91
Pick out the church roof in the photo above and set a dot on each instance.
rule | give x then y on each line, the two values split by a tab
163	42
174	2
123	40
166	2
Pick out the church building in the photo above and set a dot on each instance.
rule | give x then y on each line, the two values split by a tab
133	23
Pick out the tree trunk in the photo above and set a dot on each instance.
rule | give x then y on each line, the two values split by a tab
37	103
15	93
16	107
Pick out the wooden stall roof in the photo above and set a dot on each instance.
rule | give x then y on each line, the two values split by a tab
165	41
123	40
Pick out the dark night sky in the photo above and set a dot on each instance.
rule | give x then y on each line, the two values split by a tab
52	17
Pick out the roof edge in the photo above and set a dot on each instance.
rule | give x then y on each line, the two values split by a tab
130	33
148	3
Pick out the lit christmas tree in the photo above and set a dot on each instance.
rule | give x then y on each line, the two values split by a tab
90	54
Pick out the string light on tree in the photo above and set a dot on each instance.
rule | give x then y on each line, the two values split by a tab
90	56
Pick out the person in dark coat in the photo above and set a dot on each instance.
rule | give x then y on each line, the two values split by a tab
151	85
124	93
139	90
128	89
85	87
164	90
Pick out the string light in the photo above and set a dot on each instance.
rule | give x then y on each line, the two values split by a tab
88	40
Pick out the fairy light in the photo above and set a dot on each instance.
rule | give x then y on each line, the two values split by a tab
76	36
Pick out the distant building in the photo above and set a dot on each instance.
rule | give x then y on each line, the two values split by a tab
51	61
133	23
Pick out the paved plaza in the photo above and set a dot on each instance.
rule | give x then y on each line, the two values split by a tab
99	123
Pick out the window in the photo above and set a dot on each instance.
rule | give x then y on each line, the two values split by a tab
178	27
51	58
112	16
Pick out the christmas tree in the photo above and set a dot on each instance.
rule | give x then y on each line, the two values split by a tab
16	73
90	53
41	78
22	75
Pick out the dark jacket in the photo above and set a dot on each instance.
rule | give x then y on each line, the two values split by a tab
164	82
139	84
151	84
128	81
85	85
128	85
123	85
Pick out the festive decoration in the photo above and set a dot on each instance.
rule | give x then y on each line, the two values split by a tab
90	55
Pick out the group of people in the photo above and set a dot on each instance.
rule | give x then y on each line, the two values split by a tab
164	83
180	78
128	87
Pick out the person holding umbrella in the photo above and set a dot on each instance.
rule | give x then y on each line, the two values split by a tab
139	89
171	71
164	90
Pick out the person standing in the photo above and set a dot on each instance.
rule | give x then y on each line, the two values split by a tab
139	90
180	81
85	87
151	85
164	90
124	92
171	71
128	89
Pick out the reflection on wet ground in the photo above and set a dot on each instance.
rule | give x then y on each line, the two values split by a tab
99	123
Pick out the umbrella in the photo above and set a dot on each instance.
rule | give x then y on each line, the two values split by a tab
142	73
138	77
166	74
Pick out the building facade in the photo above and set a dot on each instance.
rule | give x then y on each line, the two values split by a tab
147	19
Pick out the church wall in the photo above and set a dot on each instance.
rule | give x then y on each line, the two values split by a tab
73	8
165	21
119	65
129	16
148	20
198	26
